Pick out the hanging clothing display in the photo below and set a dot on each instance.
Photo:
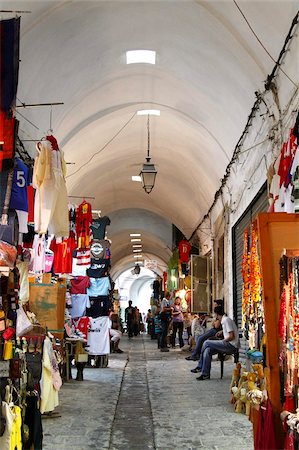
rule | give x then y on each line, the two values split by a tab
83	257
99	286
99	306
98	268
284	182
63	254
39	253
50	207
19	193
98	336
79	285
83	221
79	304
184	250
98	227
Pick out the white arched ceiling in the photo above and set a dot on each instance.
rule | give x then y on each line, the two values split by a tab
156	237
209	65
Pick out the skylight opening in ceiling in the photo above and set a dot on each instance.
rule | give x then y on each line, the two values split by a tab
149	112
141	56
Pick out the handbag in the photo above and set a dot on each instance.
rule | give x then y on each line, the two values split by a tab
8	350
8	333
23	323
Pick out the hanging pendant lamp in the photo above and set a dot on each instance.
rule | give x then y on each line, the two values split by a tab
148	172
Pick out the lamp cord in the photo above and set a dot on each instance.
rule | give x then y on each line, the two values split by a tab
148	137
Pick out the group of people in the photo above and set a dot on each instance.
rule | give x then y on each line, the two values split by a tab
133	319
165	316
222	337
168	321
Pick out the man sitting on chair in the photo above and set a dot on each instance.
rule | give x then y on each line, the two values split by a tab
228	345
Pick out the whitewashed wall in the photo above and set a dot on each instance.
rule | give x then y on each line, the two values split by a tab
262	144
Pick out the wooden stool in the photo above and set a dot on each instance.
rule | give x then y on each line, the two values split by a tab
221	357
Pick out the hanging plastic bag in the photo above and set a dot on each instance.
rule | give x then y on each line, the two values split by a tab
23	323
8	254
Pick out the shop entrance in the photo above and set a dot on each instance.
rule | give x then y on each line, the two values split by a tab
259	204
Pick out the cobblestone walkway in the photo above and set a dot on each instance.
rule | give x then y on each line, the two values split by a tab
144	400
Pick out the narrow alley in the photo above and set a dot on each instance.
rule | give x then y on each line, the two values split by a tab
146	399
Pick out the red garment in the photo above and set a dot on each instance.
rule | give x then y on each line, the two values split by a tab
287	156
30	193
7	136
184	249
265	438
289	404
79	285
83	222
63	254
83	257
53	141
83	325
164	281
289	442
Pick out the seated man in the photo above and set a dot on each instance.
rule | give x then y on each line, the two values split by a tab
229	344
115	333
207	335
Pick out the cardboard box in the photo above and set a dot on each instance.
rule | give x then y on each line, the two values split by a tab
47	301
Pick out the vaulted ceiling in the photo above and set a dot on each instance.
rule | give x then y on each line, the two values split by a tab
208	66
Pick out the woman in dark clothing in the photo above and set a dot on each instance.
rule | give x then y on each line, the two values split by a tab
177	322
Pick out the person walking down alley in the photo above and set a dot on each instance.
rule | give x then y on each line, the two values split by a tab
229	344
129	319
165	316
177	322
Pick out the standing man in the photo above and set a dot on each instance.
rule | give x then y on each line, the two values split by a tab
129	319
165	315
229	344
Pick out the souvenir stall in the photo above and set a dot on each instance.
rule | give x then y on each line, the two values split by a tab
269	385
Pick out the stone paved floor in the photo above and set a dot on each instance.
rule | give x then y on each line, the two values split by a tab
144	400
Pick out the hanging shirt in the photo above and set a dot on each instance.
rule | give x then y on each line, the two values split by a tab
79	304
99	286
83	221
83	256
38	247
30	195
98	336
99	306
63	254
79	285
83	325
98	227
184	250
20	183
98	268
